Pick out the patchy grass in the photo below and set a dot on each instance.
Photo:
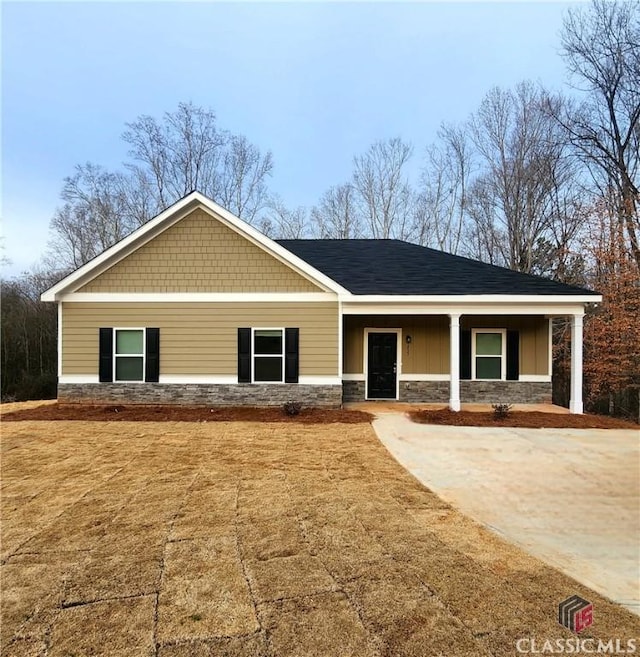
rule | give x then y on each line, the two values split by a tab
523	419
253	539
160	413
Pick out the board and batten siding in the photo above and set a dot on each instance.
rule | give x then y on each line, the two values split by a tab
201	338
428	352
199	254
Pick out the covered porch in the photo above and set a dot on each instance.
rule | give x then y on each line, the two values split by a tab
479	354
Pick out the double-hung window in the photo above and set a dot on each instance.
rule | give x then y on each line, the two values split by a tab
128	354
489	360
268	355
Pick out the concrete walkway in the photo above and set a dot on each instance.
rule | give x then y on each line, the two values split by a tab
568	496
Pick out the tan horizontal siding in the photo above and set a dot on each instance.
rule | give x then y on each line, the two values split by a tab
199	254
534	337
201	338
428	352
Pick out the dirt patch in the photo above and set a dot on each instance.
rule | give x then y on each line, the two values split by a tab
237	539
522	419
157	413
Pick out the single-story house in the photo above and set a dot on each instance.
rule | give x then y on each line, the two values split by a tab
198	307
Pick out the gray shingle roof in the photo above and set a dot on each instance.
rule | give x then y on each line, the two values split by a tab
396	267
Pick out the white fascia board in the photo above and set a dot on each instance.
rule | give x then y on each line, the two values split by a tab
460	299
457	306
197	297
137	239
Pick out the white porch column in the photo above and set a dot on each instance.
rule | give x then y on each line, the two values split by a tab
454	362
575	403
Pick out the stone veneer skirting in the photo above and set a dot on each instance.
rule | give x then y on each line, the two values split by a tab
329	396
511	392
506	392
239	394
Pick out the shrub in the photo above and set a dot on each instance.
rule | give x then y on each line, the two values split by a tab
500	411
292	407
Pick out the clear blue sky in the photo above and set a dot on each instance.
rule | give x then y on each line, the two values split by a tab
315	83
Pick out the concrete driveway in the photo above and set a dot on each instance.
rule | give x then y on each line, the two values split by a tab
570	497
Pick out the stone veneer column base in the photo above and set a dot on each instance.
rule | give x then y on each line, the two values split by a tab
191	394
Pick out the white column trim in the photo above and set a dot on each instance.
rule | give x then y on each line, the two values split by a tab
340	338
550	349
454	361
575	403
59	339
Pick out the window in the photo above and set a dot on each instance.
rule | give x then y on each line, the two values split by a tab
268	355
489	359
128	354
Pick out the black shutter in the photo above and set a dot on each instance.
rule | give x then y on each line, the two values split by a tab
291	340
244	355
465	354
513	355
152	356
105	365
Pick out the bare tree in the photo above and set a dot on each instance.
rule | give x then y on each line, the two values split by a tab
524	181
445	181
601	46
281	222
242	178
178	154
186	151
96	214
384	196
183	152
335	215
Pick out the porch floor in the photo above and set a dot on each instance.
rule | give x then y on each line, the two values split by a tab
402	407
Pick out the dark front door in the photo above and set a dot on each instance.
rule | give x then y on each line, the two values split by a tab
381	366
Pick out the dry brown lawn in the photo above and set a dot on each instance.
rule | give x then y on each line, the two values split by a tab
248	539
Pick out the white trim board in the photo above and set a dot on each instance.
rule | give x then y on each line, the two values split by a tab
202	379
401	377
425	377
536	299
197	297
535	378
169	217
457	306
59	327
503	355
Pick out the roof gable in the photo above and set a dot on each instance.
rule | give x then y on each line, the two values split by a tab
199	254
232	227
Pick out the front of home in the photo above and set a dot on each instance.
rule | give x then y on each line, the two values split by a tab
197	307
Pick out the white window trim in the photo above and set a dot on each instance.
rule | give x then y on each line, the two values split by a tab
365	358
254	355
503	355
114	355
